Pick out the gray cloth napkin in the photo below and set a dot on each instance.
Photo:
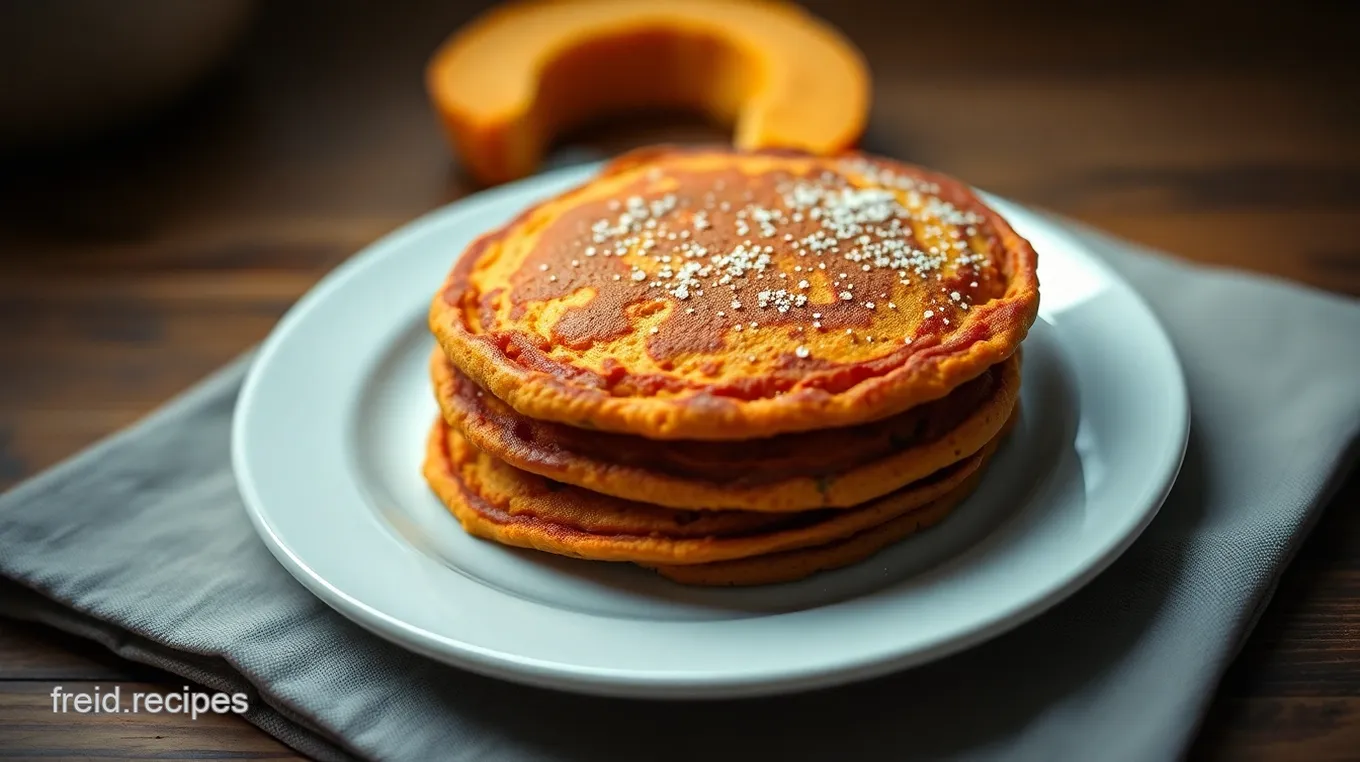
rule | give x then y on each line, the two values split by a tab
142	544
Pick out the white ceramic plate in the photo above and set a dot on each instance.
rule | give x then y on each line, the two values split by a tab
329	436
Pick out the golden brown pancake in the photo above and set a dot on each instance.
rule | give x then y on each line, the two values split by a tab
793	565
713	294
498	502
833	468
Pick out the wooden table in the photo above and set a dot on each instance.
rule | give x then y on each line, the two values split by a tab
131	268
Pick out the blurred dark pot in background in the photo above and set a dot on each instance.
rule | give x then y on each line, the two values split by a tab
73	69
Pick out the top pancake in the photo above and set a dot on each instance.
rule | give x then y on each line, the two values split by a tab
716	294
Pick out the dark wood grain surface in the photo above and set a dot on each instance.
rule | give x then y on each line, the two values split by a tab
132	267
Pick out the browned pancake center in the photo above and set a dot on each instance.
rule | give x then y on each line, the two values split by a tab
719	295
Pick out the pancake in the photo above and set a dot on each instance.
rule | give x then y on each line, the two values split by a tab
833	468
715	294
793	565
498	502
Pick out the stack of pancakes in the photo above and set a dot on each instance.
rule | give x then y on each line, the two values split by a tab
729	367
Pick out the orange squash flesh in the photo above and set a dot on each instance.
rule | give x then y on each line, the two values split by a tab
511	81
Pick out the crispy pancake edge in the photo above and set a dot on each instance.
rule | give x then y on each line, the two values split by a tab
447	452
794	565
846	490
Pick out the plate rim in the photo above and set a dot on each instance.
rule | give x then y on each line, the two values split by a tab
631	682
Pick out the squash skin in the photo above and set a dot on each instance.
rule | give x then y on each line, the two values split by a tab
508	83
